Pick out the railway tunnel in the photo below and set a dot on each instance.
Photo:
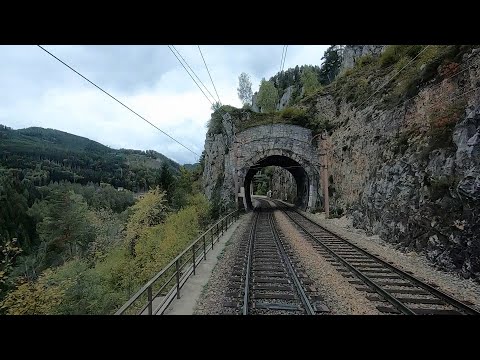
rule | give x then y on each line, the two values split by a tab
298	172
283	145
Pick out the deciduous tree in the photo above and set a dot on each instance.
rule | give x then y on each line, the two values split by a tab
245	89
309	80
267	96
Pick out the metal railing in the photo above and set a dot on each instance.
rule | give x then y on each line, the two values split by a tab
160	291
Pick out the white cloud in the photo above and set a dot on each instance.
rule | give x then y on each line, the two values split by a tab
39	91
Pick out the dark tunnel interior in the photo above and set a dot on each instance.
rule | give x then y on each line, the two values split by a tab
298	172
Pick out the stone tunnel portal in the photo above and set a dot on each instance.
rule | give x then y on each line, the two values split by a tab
298	172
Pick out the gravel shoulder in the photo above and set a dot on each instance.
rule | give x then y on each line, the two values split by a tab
212	297
450	283
341	297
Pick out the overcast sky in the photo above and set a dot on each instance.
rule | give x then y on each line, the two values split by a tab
37	90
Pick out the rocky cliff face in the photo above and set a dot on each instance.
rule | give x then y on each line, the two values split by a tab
411	172
282	103
286	97
352	52
283	185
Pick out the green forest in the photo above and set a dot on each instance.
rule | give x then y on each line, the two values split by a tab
83	226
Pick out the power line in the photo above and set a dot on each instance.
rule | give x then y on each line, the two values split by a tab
286	49
190	76
209	73
114	98
281	60
213	97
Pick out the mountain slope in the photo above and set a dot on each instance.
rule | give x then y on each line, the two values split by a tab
45	155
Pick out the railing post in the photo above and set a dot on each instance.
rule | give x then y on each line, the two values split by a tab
204	248
178	279
149	294
193	257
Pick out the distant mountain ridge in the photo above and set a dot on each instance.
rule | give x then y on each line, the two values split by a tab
45	155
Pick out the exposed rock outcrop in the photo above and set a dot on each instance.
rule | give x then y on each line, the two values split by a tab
283	185
286	97
409	173
415	190
352	52
255	106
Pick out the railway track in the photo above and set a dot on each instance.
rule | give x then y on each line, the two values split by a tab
393	290
266	278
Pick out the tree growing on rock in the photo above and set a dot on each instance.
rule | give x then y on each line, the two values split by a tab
267	96
330	68
216	105
245	89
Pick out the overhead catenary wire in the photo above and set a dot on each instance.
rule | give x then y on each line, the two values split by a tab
208	99
193	72
285	56
225	113
281	59
114	98
209	73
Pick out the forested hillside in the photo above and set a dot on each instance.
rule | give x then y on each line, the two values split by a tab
46	155
83	226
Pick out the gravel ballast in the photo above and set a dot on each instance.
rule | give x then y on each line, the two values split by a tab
213	295
450	283
339	295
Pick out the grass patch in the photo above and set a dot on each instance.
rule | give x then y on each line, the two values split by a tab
400	142
355	85
245	119
422	70
442	123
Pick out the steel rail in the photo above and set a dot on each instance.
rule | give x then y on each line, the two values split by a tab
435	292
391	299
301	292
251	239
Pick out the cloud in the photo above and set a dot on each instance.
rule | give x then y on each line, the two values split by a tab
39	91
